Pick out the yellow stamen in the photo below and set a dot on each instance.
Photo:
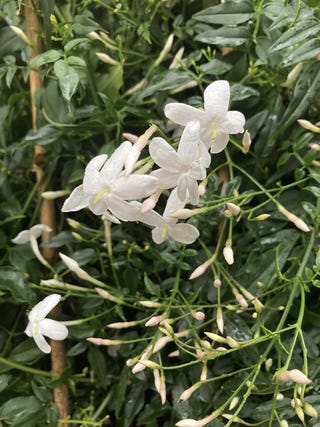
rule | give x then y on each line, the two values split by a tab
99	196
164	231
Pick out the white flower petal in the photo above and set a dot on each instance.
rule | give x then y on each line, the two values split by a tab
233	123
173	204
165	178
44	307
53	329
205	158
76	201
123	210
115	163
150	217
38	229
182	187
164	155
193	190
69	262
216	99
22	238
159	235
41	342
134	186
29	329
92	181
183	233
189	142
220	143
183	113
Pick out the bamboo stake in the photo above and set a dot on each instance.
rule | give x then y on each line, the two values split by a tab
47	209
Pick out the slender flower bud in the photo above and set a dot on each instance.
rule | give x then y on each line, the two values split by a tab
154	321
150	202
228	254
175	63
298	222
187	213
246	142
241	300
261	217
106	295
157	379
232	342
93	35
315	163
165	50
233	208
106	58
21	34
150	364
174	353
216	337
136	149
130	137
74	267
220	323
200	269
150	304
189	85
198	315
51	195
123	325
234	402
188	392
310	410
188	422
293	75
293	375
308	125
102	341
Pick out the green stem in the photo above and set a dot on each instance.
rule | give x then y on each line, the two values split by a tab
20	367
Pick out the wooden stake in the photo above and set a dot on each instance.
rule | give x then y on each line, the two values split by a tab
47	209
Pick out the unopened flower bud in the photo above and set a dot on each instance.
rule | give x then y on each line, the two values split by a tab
310	410
106	58
174	353
150	304
154	321
279	397
200	270
228	255
234	402
216	337
293	375
261	217
268	364
198	315
293	75
102	341
202	187
175	63
308	126
246	142
220	323
188	392
217	283
315	163
284	423
122	325
51	195
314	147
165	50
232	342
233	208
21	34
300	413
241	300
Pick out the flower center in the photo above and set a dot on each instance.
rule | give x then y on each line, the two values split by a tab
213	130
164	231
100	195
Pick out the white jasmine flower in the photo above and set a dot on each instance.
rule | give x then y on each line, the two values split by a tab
216	122
105	189
39	326
165	226
184	167
31	236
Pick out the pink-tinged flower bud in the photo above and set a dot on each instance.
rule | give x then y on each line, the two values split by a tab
138	367
187	213
188	422
163	392
217	283
188	392
198	315
219	320
233	208
241	300
298	222
150	202
122	325
200	270
308	125
293	375
130	137
310	410
106	295
154	321
157	379
234	402
314	147
202	187
228	255
246	142
102	341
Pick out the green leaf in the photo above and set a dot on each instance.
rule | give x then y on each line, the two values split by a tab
4	381
25	353
226	36
305	52
150	286
114	82
13	282
19	410
44	136
228	13
239	92
300	32
215	67
68	78
46	57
